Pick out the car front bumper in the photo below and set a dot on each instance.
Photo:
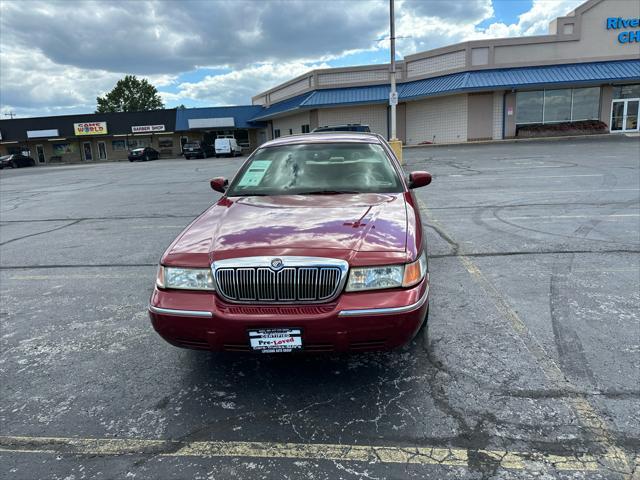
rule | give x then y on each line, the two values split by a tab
362	321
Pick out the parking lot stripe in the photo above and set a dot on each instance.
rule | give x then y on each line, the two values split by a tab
77	276
458	457
614	458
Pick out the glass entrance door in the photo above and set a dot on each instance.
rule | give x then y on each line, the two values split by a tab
86	149
624	115
40	153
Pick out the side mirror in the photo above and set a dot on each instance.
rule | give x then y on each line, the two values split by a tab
419	179
219	184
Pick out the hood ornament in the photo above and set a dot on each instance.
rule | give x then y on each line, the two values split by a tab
277	263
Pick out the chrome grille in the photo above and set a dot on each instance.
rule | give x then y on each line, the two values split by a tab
297	283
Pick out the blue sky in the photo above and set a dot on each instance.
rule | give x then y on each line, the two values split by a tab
222	52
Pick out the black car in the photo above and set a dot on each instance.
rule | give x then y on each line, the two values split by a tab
348	127
16	160
198	150
143	154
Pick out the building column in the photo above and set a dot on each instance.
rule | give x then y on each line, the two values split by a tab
606	96
510	115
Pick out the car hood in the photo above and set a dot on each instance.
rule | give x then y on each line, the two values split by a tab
297	225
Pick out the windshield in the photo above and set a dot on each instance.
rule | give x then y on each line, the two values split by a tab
192	145
317	169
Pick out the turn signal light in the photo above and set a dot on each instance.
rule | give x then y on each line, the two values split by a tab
414	272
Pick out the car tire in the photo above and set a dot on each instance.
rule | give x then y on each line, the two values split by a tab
14	165
146	158
422	337
131	160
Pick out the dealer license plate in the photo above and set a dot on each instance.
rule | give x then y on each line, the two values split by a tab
275	340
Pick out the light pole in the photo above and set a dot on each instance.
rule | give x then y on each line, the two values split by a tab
393	95
396	144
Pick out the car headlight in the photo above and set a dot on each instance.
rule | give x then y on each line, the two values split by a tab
185	278
387	276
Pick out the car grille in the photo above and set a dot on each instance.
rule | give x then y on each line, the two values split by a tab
286	280
290	284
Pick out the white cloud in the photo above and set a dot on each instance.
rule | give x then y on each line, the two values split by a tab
62	65
238	86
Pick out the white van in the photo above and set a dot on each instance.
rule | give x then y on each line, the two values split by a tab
228	147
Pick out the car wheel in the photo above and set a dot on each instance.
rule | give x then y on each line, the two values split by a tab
146	158
422	337
131	160
14	165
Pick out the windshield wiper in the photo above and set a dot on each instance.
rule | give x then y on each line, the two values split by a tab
326	192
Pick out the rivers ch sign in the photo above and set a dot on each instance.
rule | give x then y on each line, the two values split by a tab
625	24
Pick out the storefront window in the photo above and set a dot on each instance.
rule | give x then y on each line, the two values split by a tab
562	105
586	104
626	91
529	107
138	143
118	145
165	142
557	105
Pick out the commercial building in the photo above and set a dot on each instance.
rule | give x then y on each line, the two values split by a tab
92	137
586	68
110	136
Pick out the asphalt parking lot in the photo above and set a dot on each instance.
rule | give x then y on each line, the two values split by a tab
532	370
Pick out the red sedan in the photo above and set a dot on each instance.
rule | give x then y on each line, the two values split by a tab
315	245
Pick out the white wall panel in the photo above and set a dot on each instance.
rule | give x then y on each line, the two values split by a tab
290	90
498	115
439	63
293	122
439	120
373	115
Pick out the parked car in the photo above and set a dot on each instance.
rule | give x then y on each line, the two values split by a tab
315	245
349	127
143	154
198	150
228	147
16	160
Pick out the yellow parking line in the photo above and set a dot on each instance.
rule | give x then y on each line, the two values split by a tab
614	457
453	457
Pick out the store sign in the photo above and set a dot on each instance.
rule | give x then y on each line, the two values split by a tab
393	98
90	128
626	24
147	128
212	122
42	133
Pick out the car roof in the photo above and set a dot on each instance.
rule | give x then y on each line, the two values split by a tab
325	137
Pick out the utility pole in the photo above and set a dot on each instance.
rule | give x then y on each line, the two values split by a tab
393	95
10	114
395	144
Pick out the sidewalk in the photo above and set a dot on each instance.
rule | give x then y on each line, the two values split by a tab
524	140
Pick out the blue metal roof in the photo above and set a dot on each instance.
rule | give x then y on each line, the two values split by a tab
281	107
335	96
522	77
243	115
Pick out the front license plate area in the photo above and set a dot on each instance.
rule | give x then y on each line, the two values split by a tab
275	340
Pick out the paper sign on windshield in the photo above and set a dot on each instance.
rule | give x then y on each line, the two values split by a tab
253	176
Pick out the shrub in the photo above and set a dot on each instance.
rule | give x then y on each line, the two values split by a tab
582	127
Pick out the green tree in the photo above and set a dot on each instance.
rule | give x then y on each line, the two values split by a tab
130	95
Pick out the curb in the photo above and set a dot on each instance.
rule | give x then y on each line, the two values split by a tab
524	140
